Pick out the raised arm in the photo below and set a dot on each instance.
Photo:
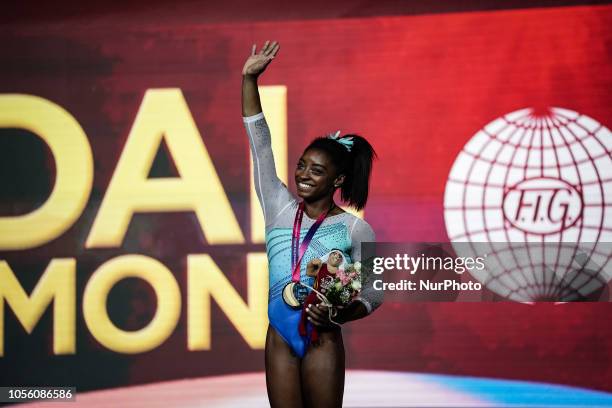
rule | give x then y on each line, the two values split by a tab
254	66
271	192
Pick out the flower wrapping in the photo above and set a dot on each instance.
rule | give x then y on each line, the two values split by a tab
341	288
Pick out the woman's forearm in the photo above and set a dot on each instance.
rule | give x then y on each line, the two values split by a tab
251	105
253	67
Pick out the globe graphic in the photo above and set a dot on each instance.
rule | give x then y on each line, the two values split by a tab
532	194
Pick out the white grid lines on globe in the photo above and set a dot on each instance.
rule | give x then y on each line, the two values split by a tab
578	149
509	282
589	128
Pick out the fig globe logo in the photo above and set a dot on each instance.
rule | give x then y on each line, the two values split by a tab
534	193
542	205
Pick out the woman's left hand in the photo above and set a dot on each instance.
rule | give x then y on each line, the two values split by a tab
319	316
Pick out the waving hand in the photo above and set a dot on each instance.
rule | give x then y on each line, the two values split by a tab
257	62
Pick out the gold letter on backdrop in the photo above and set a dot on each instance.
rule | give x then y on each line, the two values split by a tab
74	170
58	285
205	281
164	114
168	304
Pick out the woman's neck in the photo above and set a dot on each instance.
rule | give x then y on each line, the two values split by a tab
315	208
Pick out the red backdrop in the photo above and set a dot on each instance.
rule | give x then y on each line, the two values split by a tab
418	87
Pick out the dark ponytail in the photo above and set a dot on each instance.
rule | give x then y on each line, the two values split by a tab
356	166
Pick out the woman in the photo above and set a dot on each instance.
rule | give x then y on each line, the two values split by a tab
298	231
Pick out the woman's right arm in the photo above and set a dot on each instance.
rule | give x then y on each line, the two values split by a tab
271	192
251	105
254	66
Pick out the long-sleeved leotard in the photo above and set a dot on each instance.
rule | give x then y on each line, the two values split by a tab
342	231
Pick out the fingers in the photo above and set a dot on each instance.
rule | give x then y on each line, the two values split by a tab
274	49
264	48
270	49
318	315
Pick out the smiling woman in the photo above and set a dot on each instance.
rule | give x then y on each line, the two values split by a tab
333	162
301	373
313	175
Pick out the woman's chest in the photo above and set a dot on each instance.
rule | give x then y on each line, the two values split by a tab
326	238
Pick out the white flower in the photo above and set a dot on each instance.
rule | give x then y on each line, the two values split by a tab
356	285
345	296
327	282
357	266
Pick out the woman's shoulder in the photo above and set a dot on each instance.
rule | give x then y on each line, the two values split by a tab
353	218
285	213
359	229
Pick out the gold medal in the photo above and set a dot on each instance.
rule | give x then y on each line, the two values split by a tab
294	295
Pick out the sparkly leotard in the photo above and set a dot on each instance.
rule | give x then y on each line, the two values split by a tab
342	231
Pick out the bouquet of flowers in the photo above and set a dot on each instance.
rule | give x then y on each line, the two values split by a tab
342	287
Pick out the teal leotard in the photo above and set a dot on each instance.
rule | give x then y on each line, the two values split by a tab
342	231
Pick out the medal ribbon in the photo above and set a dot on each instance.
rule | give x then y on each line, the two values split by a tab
297	254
